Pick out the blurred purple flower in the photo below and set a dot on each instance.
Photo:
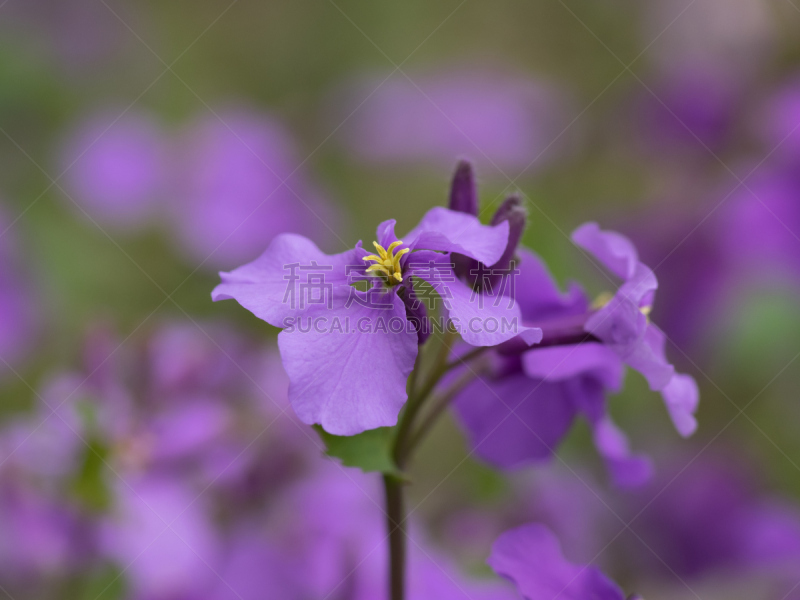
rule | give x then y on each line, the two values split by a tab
568	502
499	119
160	532
116	168
689	113
778	123
147	467
530	556
760	227
711	517
326	365
240	185
42	536
332	526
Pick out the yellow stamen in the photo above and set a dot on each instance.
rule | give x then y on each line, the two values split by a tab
393	245
381	268
387	262
380	249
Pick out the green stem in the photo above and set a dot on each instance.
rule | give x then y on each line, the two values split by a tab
462	360
440	404
417	399
404	444
395	512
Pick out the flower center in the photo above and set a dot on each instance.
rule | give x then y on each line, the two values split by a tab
604	298
387	262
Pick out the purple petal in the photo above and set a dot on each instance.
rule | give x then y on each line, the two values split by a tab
482	319
537	294
587	371
620	324
682	396
350	379
615	251
273	290
626	470
649	359
530	556
385	233
559	363
514	420
445	230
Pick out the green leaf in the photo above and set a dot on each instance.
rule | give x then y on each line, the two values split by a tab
370	451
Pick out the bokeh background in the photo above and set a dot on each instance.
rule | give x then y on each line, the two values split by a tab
146	449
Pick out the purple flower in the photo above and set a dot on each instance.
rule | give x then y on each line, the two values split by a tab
523	407
240	186
511	120
334	338
527	403
530	557
623	325
116	170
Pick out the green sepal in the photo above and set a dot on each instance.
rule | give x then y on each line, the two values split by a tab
369	451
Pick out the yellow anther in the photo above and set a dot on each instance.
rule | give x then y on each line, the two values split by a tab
387	262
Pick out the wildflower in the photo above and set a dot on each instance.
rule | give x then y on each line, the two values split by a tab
348	352
528	401
523	407
623	325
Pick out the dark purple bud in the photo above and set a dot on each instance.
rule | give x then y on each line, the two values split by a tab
510	210
463	191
